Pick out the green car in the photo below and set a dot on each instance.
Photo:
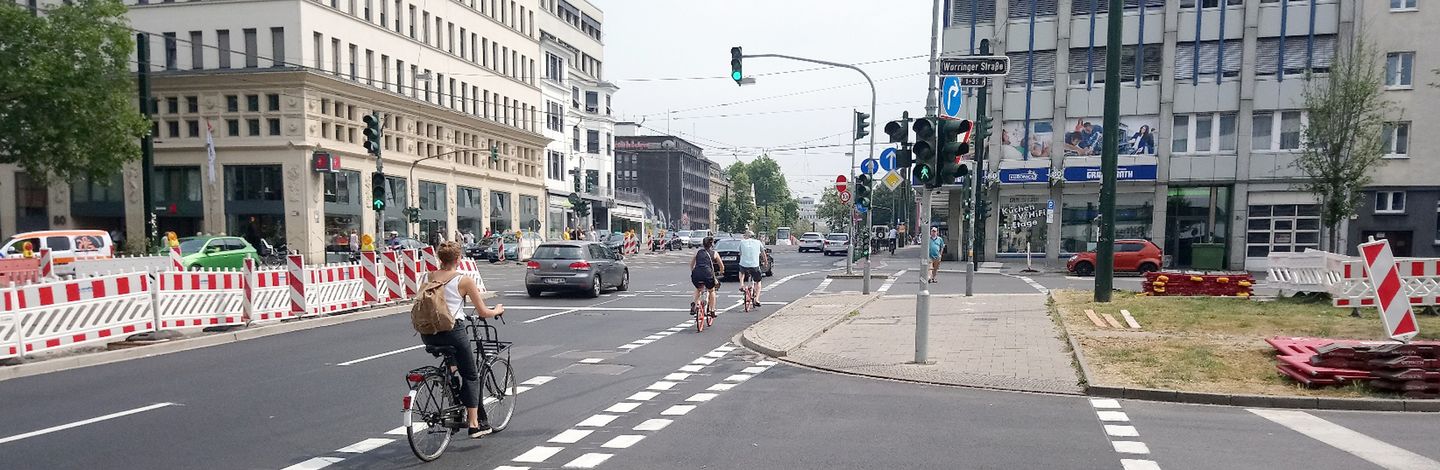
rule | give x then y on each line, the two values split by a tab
215	252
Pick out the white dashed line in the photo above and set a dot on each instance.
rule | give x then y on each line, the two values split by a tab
538	380
570	436
753	370
1104	403
644	341
823	284
630	346
701	397
597	421
538	454
509	467
622	407
661	385
1112	416
677	376
1129	464
738	378
622	441
653	425
1121	431
315	463
364	446
691	368
720	387
642	396
703	361
677	410
766	363
654	337
715	354
591	360
589	460
1130	447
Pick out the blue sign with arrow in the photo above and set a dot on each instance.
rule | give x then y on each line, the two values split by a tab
887	159
869	166
950	97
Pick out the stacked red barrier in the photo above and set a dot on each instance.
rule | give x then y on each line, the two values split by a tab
1412	370
1188	284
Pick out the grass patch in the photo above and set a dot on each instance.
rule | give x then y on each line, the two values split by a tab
1210	344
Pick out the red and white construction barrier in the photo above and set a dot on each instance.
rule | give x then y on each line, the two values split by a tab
295	267
370	273
391	267
19	271
201	299
269	295
51	315
333	287
408	261
175	263
429	262
631	245
1394	306
47	264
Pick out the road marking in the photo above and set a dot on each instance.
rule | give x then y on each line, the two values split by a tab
570	436
766	363
630	346
622	441
661	385
642	396
738	378
691	368
591	360
1130	464
377	356
400	431
77	424
315	463
753	370
677	410
553	315
677	376
823	284
1112	416
720	387
538	454
726	348
701	397
891	281
1104	403
597	421
1121	431
1340	437
538	380
703	361
653	425
622	407
365	446
589	460
654	337
715	354
643	342
510	467
785	280
1130	447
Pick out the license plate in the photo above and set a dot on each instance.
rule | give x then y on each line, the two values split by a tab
730	258
553	280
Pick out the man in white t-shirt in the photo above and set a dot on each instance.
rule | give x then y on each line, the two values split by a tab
750	252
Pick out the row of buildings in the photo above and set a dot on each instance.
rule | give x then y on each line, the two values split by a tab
272	82
1211	120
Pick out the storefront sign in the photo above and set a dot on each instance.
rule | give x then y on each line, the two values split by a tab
1024	175
1076	174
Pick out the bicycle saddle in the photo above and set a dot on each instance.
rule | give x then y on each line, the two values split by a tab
438	351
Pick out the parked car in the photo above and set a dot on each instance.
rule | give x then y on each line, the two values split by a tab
668	242
582	266
811	241
515	249
836	243
697	238
473	250
684	236
729	252
215	252
613	240
1131	255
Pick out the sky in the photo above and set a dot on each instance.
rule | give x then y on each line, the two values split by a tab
786	109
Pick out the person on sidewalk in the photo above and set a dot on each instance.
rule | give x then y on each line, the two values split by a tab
937	246
750	252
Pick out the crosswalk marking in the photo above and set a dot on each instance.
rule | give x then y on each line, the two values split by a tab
538	454
570	436
1130	447
1340	437
653	424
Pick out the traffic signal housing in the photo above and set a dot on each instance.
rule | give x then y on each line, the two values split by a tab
862	125
377	191
897	132
494	154
925	151
862	192
952	147
736	73
372	133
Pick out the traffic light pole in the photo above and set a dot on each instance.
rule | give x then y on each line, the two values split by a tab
850	247
147	143
977	218
865	286
932	109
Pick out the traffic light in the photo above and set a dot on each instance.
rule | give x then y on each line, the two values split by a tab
377	191
373	133
982	128
862	125
862	192
897	132
582	207
903	158
592	181
494	154
735	73
925	151
413	214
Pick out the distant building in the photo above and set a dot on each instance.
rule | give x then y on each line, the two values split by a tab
670	174
719	186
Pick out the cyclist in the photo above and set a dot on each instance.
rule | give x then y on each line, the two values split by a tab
750	252
702	274
890	238
457	289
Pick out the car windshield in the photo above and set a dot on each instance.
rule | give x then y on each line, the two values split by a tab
682	233
191	246
557	252
728	245
811	236
837	237
782	233
700	234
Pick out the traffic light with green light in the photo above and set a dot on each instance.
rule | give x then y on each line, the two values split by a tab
735	73
862	125
377	191
925	150
372	133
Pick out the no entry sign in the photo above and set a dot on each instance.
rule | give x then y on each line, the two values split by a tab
1389	292
840	184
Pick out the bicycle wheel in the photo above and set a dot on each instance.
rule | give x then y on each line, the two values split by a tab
499	399
699	312
425	421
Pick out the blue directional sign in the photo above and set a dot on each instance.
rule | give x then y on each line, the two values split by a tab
869	166
887	159
861	208
950	97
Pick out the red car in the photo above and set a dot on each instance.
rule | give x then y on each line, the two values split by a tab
1140	256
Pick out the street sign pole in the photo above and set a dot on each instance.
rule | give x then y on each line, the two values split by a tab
850	247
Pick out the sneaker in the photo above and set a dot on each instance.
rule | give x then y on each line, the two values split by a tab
755	303
481	431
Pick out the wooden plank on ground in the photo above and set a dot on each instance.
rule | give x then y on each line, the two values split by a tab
1129	319
1094	318
1111	320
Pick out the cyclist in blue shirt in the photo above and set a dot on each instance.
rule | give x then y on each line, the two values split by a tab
750	252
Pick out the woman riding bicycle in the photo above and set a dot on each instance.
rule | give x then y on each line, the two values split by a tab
457	289
702	274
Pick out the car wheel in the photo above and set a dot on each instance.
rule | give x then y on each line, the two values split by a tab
624	282
1147	267
1084	268
532	291
597	288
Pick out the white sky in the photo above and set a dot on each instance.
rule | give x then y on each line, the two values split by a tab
647	39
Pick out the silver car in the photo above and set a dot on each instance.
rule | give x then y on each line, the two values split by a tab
571	266
836	243
812	241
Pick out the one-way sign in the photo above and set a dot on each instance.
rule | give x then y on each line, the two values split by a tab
990	66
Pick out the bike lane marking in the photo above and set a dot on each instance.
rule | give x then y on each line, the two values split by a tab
77	424
1360	445
1107	411
377	356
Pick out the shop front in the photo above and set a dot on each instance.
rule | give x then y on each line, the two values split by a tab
433	215
469	215
530	214
177	198
254	203
397	198
1197	226
342	210
1023	225
1080	217
501	209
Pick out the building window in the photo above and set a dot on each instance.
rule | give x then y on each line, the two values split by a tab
575	97
592	141
252	183
192	128
1023	8
176	184
252	103
1396	137
1290	126
192	104
1266	129
222	41
197	53
575	139
1206	3
272	102
1204	133
173	127
1093	69
253	127
342	187
554	68
232	127
274	124
1390	202
1283	228
1210	62
1298	55
1021	66
252	60
1261	131
170	53
277	47
556	165
172	105
1398	69
1404	5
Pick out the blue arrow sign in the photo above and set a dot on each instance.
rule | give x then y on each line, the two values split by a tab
950	97
869	166
887	159
861	208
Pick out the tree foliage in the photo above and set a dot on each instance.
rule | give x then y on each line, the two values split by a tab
66	91
834	213
725	214
741	196
772	195
1343	141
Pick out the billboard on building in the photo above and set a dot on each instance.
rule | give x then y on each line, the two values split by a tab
1137	136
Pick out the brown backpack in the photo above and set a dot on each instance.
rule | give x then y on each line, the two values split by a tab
430	314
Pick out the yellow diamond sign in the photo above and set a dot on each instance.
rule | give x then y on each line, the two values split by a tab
892	180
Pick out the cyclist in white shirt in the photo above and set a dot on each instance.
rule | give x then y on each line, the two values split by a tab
750	252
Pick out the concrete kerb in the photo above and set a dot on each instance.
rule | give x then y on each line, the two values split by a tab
1092	388
120	355
744	337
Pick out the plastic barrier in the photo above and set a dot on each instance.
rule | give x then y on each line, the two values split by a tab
428	260
1198	284
332	288
51	315
97	266
370	272
270	294
47	264
409	259
391	268
201	298
19	271
1419	280
1302	272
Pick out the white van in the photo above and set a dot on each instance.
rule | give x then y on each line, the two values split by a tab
65	246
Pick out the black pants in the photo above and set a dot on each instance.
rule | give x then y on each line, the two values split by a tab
459	338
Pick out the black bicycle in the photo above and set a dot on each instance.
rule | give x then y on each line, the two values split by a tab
433	412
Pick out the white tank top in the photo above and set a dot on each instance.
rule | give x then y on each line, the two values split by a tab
453	299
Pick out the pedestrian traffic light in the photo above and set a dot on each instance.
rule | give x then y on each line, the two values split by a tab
413	214
372	133
862	125
494	154
377	191
735	73
925	151
862	191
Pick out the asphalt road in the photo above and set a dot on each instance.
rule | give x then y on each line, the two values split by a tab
624	382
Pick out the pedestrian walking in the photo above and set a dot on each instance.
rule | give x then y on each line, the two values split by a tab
937	246
354	241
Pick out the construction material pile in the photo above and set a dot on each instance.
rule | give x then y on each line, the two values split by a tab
1412	370
1196	284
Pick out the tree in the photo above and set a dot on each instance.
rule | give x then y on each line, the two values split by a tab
66	91
1344	140
834	213
740	196
772	194
725	214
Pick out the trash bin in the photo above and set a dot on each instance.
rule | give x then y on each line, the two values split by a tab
1209	256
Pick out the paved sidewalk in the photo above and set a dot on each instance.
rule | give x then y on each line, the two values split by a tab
1002	341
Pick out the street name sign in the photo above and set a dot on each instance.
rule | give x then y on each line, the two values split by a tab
983	66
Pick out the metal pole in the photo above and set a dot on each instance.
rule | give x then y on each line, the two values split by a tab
977	220
850	247
1105	252
147	143
932	105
